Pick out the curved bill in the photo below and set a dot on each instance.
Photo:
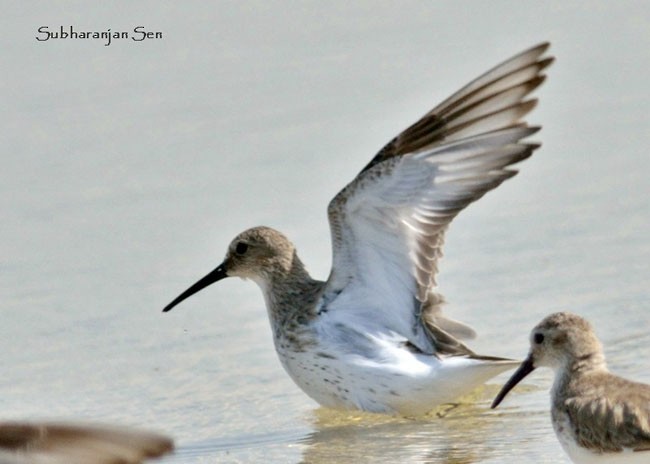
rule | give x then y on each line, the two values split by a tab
525	368
214	276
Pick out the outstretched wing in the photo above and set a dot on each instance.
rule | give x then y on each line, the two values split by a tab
388	224
52	443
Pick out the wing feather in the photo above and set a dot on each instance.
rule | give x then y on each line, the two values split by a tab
612	419
388	224
497	88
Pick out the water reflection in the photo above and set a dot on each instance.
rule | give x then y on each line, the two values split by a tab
453	434
462	433
363	439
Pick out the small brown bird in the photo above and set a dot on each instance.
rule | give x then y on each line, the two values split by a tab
62	443
597	416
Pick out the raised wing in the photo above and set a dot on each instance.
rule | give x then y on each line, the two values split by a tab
388	224
459	115
52	443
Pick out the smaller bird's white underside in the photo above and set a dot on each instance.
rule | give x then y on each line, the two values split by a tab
388	224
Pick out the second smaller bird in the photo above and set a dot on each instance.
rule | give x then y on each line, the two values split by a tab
597	416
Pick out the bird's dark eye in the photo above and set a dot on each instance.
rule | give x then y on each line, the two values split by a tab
241	248
539	338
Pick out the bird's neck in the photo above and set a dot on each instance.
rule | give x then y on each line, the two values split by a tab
290	295
575	370
587	363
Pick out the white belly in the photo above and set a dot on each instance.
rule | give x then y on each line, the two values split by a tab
386	379
341	384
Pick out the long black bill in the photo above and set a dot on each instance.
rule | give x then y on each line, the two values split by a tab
214	276
525	368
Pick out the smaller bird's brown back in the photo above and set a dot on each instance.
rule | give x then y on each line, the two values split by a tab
608	413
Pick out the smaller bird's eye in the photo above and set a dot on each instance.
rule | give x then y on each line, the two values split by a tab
539	338
241	248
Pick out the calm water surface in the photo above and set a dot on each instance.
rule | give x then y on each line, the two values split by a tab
126	171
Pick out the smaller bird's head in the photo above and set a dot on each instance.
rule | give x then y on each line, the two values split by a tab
558	341
259	254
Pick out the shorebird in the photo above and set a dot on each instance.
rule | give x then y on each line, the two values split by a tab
373	336
597	416
60	443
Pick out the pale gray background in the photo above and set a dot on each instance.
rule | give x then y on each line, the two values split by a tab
126	170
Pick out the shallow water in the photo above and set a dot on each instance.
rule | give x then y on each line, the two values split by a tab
127	169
